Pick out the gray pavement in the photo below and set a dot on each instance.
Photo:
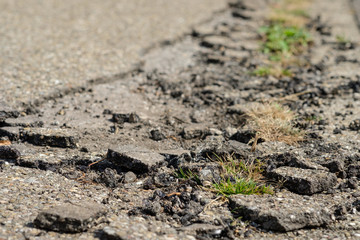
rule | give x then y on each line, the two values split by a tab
51	45
356	7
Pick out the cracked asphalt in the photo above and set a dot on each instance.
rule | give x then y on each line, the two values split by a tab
50	46
117	112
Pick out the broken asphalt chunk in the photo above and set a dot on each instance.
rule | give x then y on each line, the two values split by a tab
216	42
127	117
244	136
51	137
23	122
355	125
195	131
282	214
7	112
69	217
198	228
125	228
135	158
156	135
13	133
291	159
7	152
304	181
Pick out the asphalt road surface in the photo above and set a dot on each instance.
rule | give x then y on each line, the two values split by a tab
51	45
356	6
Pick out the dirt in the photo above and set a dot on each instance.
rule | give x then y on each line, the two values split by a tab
186	104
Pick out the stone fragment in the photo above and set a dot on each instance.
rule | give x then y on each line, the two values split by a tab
249	45
110	177
272	147
355	125
23	122
197	116
244	136
244	35
355	85
126	228
304	181
7	112
239	56
334	165
241	14
353	170
238	149
250	5
282	214
195	131
69	217
229	131
237	109
129	177
217	59
177	158
351	183
206	175
13	133
134	158
216	42
8	152
290	159
201	228
156	135
125	117
51	137
203	30
214	132
44	158
174	152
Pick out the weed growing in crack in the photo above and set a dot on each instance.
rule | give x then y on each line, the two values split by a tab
271	71
188	175
312	118
290	12
284	38
273	122
285	41
240	177
342	39
241	186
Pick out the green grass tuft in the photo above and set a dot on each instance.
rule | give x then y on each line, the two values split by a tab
281	40
240	177
241	186
188	175
262	72
271	71
341	39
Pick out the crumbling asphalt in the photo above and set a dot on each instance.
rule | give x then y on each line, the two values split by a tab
185	105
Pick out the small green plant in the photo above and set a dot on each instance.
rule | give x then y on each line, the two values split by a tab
262	72
299	13
281	40
342	39
291	12
188	175
284	38
286	72
240	177
271	71
312	118
241	186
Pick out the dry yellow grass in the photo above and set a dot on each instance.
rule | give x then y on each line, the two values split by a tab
273	122
291	12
